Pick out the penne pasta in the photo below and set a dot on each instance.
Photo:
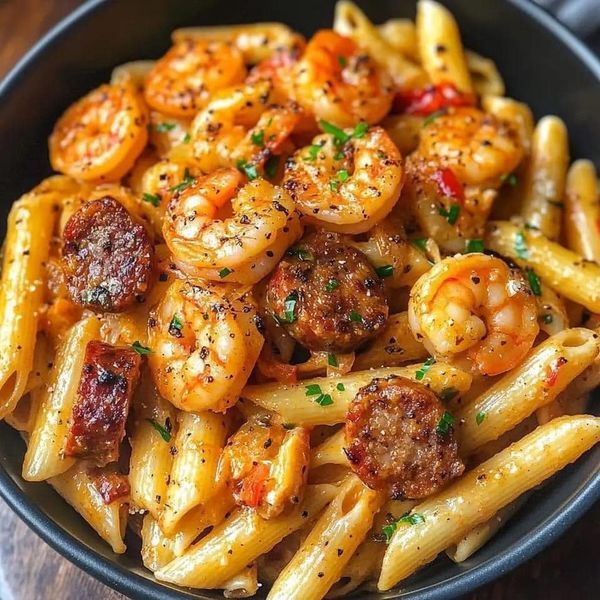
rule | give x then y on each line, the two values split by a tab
544	185
199	442
479	494
240	540
484	75
393	346
157	548
299	403
565	272
242	585
581	212
537	381
517	113
330	452
30	226
401	34
440	46
44	457
319	562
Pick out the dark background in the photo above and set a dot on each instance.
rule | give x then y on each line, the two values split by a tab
31	570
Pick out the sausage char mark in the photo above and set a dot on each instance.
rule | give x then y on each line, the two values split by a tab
107	382
107	257
110	484
399	439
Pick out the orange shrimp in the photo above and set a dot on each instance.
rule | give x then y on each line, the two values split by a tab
340	83
182	81
101	135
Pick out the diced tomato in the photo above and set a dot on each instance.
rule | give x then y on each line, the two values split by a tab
254	486
448	183
552	371
424	101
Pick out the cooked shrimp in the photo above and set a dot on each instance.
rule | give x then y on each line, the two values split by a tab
204	342
346	181
243	247
453	177
266	466
182	81
473	306
339	82
240	127
101	135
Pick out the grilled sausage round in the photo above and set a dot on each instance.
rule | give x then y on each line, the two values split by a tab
327	295
400	439
107	257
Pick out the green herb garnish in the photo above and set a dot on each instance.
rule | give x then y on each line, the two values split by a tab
420	243
355	317
271	166
445	424
164	127
385	271
301	253
289	308
331	285
224	272
187	181
423	370
534	282
332	360
154	199
433	116
141	349
249	169
408	518
324	400
340	137
340	387
187	138
342	60
479	417
521	246
164	432
313	389
360	130
175	326
451	214
343	175
509	178
474	246
448	394
258	138
313	151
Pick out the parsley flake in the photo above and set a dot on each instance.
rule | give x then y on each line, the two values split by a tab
448	393
165	127
224	272
340	387
521	246
445	424
534	282
423	370
313	151
271	166
479	417
340	137
451	214
258	138
313	389
332	360
385	271
360	130
175	326
343	175
420	243
355	317
153	199
141	349
247	168
474	246
342	60
324	400
331	285
509	178
165	434
301	253
289	308
187	138
187	181
432	117
408	518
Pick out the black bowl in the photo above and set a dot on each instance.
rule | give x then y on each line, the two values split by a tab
543	64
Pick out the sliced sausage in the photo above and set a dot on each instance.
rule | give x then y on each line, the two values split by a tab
108	379
400	439
110	484
107	257
327	295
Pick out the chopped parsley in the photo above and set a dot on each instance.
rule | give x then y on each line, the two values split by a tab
408	518
474	245
385	271
153	199
165	434
423	370
187	181
140	349
448	394
445	424
521	246
451	214
332	360
175	326
313	151
314	389
479	417
271	166
547	318
420	243
534	282
289	308
338	155
340	137
324	400
301	253
509	178
165	127
331	285
343	175
433	116
355	317
258	138
333	185
342	60
224	272
340	387
247	168
187	138
360	130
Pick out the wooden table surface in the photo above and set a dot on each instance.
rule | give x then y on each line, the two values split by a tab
31	570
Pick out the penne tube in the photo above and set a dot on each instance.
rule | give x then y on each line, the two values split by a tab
565	272
547	371
133	72
78	489
44	457
240	540
484	75
405	131
199	442
157	549
582	214
517	113
330	452
479	494
332	541
440	46
26	247
244	584
544	185
325	400
151	449
480	535
350	21
401	34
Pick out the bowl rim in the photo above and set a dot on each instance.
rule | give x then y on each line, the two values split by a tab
128	582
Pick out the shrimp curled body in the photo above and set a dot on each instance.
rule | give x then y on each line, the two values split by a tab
475	307
347	189
204	342
241	248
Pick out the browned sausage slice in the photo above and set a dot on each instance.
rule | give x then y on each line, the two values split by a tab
107	256
400	439
327	295
110	484
107	382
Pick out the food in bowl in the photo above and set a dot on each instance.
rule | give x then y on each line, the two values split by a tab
303	312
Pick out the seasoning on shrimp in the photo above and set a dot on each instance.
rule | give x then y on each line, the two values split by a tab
475	308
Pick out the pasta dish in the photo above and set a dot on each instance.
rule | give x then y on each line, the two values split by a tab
303	313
